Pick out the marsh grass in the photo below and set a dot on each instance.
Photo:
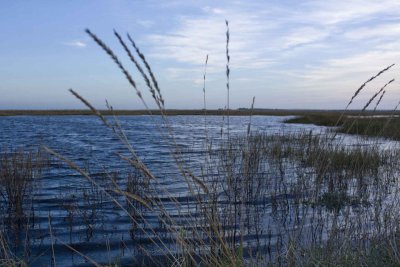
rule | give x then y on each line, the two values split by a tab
304	188
388	128
383	127
364	123
18	172
318	119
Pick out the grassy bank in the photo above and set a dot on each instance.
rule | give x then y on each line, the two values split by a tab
386	127
320	119
373	127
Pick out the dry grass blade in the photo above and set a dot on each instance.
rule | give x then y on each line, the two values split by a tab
379	100
204	84
198	181
79	253
251	114
91	107
391	117
53	255
376	94
139	68
83	173
87	176
364	84
153	78
227	71
5	252
204	98
357	92
204	78
118	62
139	165
133	196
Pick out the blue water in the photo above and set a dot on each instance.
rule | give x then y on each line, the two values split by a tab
103	233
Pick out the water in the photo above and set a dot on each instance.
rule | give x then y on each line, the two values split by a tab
105	232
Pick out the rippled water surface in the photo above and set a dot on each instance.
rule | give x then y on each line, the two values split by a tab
60	193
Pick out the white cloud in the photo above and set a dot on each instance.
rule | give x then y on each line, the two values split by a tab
330	12
388	30
79	44
194	38
340	77
145	23
217	11
182	73
303	36
311	46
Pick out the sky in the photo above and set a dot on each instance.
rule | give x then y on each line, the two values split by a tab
287	54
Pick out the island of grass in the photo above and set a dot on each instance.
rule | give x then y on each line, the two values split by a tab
384	125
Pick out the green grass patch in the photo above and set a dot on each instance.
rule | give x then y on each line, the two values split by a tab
385	127
318	119
373	127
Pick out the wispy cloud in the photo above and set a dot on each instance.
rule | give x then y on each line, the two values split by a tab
303	36
331	13
319	50
375	32
194	38
337	79
145	23
77	43
311	49
290	51
214	10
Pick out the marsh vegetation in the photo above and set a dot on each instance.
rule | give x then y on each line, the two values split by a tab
303	198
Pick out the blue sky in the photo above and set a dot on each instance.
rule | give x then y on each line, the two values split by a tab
288	54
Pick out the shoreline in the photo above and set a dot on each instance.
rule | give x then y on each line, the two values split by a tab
197	112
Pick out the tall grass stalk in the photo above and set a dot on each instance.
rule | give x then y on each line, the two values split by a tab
376	94
204	98
379	100
228	59
359	90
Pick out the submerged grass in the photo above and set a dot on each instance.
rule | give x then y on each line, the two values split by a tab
19	174
18	171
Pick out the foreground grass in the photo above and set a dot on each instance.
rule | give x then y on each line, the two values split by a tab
382	251
292	199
